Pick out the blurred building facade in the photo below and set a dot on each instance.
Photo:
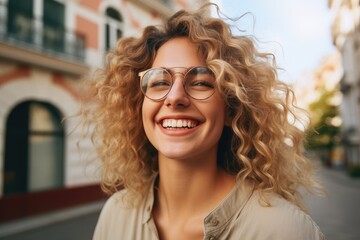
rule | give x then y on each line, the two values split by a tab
346	37
46	46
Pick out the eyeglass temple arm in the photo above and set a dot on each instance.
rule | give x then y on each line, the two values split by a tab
141	74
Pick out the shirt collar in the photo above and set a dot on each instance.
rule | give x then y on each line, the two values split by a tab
233	203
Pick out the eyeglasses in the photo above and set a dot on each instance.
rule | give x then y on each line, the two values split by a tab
199	82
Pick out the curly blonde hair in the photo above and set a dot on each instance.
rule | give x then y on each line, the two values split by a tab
262	144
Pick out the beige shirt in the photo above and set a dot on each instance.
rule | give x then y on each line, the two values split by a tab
239	216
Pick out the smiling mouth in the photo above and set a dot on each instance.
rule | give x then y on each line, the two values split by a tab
179	123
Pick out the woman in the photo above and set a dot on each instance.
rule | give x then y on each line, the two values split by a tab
195	138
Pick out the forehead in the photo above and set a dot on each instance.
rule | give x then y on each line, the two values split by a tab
178	52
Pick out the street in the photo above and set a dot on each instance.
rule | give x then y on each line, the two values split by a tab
72	224
337	214
80	228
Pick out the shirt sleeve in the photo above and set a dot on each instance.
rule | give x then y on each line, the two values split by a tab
281	221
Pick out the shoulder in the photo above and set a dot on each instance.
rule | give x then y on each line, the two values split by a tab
113	211
117	206
114	215
281	220
115	201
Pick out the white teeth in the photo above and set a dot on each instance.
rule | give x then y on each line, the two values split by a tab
178	123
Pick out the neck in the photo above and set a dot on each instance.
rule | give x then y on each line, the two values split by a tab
190	188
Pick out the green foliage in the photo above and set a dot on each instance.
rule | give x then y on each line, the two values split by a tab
323	131
354	171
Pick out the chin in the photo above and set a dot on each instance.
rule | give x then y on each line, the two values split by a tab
174	153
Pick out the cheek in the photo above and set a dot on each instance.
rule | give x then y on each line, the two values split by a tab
148	113
145	115
218	110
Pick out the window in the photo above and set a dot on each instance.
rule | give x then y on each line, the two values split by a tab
54	25
167	2
34	148
20	20
113	28
40	26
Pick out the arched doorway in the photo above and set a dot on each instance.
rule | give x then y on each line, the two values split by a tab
34	148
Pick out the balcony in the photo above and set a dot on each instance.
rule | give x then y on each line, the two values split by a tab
164	8
37	42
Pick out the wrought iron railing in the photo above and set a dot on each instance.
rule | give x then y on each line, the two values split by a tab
41	35
166	2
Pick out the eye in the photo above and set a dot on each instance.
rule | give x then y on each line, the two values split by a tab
159	83
202	83
200	79
157	79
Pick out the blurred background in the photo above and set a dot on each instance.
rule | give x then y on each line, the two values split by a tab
48	188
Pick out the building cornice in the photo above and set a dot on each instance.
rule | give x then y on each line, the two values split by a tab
15	52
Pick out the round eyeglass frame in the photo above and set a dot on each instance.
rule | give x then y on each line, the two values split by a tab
172	74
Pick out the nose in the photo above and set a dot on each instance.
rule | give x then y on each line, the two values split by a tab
177	96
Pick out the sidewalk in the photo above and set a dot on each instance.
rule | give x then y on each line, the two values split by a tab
340	177
18	226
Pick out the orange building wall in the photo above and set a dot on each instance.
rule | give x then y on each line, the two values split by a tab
19	72
90	4
90	30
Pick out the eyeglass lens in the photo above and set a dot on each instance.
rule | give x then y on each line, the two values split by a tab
199	83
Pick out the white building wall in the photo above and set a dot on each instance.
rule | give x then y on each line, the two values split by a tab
40	86
351	97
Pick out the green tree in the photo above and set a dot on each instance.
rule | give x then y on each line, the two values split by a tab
325	122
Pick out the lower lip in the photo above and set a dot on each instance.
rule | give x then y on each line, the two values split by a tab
177	131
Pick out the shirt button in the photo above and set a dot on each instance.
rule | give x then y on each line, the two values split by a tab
214	222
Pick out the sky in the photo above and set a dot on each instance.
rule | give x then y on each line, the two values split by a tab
297	32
